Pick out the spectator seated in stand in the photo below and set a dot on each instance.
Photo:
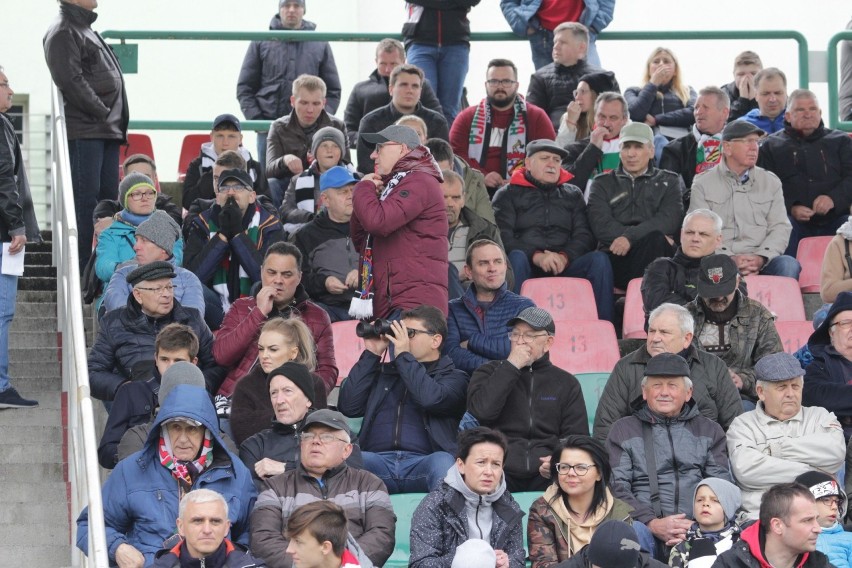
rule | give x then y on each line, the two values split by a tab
319	537
493	135
225	136
124	347
290	138
302	200
742	91
367	96
831	502
280	341
578	121
477	329
476	196
771	97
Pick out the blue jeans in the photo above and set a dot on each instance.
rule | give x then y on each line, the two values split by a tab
214	313
593	266
541	45
409	472
8	291
94	174
335	313
802	230
277	188
445	68
782	265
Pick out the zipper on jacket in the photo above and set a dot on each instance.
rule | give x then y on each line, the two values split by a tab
674	467
478	505
530	432
202	563
824	163
397	434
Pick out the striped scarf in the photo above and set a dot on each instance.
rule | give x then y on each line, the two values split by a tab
514	142
361	306
220	277
184	471
709	150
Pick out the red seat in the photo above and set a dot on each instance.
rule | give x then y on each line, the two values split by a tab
564	298
136	144
780	295
584	346
347	347
810	255
794	334
189	150
634	312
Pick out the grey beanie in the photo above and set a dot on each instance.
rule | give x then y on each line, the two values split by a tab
328	133
728	494
130	182
161	230
181	373
474	553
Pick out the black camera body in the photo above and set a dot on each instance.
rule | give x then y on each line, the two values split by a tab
370	330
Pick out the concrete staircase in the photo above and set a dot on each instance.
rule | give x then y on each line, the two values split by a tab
34	516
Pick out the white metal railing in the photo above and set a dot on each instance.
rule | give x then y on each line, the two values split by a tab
83	469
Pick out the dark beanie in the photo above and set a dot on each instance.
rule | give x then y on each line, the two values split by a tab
614	545
298	374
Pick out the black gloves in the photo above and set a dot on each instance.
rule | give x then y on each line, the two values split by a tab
230	219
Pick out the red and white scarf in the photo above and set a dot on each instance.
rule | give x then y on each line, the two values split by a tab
514	143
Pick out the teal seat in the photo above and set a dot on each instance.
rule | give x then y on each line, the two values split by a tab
525	500
404	505
593	385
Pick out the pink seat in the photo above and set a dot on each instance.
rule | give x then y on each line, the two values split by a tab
584	346
780	295
136	144
189	150
794	334
564	298
634	312
810	255
347	347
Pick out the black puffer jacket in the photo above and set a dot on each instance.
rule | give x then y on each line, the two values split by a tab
810	166
622	205
740	106
532	217
270	67
552	87
88	73
327	250
443	22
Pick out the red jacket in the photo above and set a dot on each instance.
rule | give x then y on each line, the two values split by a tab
409	231
235	344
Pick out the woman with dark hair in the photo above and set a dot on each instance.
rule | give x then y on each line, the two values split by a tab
563	520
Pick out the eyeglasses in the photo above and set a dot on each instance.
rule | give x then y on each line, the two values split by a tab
227	188
139	195
515	336
580	469
309	437
842	324
161	291
383	144
500	82
829	501
413	332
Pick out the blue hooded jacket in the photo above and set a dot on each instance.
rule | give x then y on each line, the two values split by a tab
141	497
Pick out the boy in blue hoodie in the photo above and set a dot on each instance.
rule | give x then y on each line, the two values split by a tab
715	530
831	503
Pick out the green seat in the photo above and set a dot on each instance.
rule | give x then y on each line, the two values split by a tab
593	385
525	500
404	505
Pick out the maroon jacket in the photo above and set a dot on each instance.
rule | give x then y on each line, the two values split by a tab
235	344
409	231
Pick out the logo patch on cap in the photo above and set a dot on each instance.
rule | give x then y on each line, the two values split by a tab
715	274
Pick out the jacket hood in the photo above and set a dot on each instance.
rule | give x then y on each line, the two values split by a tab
519	177
752	535
418	160
191	402
455	480
841	304
275	24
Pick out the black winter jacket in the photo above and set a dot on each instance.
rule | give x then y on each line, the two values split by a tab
11	167
532	218
582	159
270	67
327	250
622	205
88	73
534	407
443	22
679	157
667	110
819	164
552	87
740	106
373	93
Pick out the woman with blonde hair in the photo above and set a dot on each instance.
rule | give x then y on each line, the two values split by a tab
280	340
417	123
664	102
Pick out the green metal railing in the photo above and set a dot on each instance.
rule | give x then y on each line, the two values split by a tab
261	125
834	83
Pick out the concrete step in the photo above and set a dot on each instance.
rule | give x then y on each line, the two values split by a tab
37	283
28	513
33	339
43	258
46	324
54	532
30	454
41	296
37	309
41	554
35	355
20	369
35	434
45	492
39	271
30	417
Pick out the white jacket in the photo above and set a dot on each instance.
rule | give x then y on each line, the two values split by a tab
764	451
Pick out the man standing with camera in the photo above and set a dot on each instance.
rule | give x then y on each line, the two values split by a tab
411	405
399	226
